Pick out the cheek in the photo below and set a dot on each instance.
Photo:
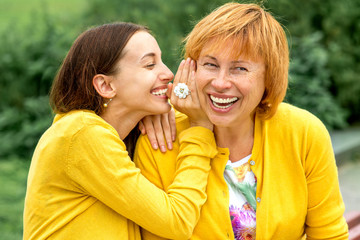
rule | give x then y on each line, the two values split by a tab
200	79
200	85
144	79
257	90
257	83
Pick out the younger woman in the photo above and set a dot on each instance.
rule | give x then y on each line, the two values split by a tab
82	184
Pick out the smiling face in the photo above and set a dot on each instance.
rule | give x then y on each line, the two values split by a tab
230	88
141	77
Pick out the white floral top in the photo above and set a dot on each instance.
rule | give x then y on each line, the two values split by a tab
242	188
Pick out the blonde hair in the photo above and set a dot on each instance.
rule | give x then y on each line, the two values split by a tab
256	34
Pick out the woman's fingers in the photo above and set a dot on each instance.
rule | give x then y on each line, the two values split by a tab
142	128
160	129
191	81
150	131
189	72
169	92
166	128
182	77
172	123
185	71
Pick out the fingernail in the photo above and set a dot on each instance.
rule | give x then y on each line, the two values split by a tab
155	146
162	148
170	146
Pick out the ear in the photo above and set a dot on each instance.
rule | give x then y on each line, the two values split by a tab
102	85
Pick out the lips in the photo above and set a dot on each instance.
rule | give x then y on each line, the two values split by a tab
223	102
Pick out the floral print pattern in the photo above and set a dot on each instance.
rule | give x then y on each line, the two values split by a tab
242	189
243	222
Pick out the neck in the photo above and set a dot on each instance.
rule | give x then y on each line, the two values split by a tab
123	121
238	139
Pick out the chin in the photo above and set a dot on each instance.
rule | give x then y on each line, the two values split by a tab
161	108
219	121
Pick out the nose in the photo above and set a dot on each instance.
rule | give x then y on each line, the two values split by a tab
166	74
221	81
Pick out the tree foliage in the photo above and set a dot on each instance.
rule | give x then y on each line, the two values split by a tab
338	23
324	38
169	21
309	83
29	60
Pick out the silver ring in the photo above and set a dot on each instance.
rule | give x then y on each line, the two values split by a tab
181	90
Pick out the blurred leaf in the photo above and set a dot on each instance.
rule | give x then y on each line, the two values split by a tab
310	80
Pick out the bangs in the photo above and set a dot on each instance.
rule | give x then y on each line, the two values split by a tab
238	45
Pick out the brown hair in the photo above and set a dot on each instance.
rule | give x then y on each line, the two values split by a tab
257	35
95	51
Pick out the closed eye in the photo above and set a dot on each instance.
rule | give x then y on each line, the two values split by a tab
241	69
212	65
150	66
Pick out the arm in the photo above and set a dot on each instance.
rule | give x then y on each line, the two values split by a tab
159	168
102	169
325	205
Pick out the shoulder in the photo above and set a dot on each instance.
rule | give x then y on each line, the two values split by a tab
290	112
83	125
290	122
182	122
289	116
77	120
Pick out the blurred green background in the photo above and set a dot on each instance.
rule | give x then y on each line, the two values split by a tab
35	35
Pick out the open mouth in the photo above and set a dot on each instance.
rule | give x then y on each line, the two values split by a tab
223	103
159	92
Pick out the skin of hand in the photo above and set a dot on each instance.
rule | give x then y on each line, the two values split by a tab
158	126
191	104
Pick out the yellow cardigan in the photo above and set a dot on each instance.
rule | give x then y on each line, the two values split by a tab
83	185
297	182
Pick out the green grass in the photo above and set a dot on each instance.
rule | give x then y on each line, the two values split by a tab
13	175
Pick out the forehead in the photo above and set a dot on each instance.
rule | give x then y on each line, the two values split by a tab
140	44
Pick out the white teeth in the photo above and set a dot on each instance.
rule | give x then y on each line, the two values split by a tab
216	101
222	107
160	92
223	100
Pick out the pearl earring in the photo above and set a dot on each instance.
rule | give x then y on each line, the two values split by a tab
106	104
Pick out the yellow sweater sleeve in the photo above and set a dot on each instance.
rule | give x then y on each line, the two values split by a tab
154	166
99	165
325	205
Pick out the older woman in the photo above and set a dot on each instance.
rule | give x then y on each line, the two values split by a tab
82	184
274	176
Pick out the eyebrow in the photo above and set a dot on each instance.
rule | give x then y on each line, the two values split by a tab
213	58
237	61
148	55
